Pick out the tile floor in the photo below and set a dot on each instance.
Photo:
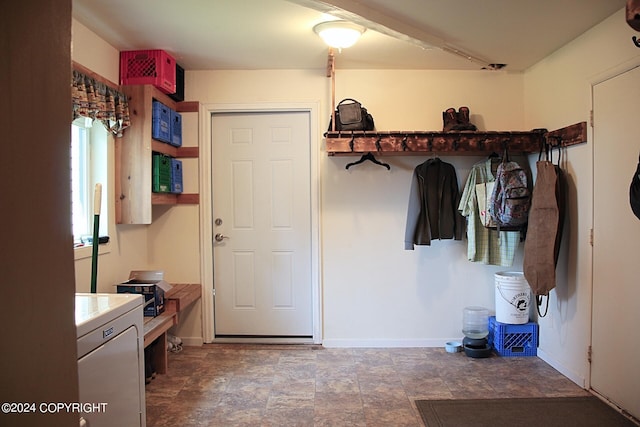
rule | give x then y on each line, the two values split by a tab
283	385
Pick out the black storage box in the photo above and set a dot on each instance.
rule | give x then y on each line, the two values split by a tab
179	95
152	292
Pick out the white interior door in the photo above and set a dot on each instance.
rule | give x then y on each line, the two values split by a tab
262	223
615	368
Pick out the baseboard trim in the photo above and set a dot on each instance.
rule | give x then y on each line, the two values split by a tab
262	340
192	341
554	363
375	343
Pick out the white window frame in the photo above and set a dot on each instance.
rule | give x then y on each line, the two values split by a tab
94	168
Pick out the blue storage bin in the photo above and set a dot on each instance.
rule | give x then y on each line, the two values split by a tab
176	176
513	340
161	122
176	129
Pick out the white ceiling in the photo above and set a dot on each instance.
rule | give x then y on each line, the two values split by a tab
278	34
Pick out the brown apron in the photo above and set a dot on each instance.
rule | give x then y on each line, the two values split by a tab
544	233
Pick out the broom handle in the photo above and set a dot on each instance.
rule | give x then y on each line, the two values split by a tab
97	201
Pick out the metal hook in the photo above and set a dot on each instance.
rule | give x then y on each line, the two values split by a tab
636	41
378	146
557	139
405	147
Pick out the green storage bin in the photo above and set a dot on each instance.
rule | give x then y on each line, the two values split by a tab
161	174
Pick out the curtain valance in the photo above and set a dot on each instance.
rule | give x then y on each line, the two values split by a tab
97	101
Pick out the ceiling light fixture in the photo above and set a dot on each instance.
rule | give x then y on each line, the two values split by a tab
339	34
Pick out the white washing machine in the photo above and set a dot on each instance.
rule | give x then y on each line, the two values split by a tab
110	331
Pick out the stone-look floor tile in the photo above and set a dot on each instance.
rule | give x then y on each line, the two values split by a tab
235	417
396	416
288	417
338	401
301	388
325	417
369	386
386	399
470	388
426	387
343	384
231	385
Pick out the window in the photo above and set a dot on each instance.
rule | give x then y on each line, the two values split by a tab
89	158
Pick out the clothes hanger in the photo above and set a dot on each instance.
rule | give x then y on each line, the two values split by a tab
371	158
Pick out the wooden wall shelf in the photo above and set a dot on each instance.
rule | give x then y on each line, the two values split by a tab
134	198
450	143
175	199
178	152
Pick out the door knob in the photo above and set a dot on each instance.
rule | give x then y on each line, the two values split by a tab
220	237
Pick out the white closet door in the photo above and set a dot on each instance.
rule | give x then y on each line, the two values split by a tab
615	368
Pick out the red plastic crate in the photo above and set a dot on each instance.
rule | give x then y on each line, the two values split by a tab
154	67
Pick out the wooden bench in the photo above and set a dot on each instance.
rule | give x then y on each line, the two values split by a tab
156	328
180	297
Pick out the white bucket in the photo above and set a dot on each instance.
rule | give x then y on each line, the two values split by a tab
512	298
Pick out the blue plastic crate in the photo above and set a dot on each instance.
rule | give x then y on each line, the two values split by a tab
176	129
513	340
176	176
161	122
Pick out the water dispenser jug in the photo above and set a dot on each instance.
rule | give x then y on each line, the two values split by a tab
475	322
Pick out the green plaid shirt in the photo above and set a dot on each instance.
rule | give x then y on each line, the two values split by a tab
485	245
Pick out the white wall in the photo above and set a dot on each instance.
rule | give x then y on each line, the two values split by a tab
128	249
39	361
374	292
558	93
173	239
171	243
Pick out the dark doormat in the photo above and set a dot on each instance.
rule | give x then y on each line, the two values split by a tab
548	412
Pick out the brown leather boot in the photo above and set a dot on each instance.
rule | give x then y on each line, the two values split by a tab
463	120
450	119
463	115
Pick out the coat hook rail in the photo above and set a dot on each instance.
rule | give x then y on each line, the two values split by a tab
570	135
449	143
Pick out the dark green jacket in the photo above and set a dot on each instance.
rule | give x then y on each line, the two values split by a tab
433	205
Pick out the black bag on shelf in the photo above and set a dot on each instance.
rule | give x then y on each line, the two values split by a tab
352	116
